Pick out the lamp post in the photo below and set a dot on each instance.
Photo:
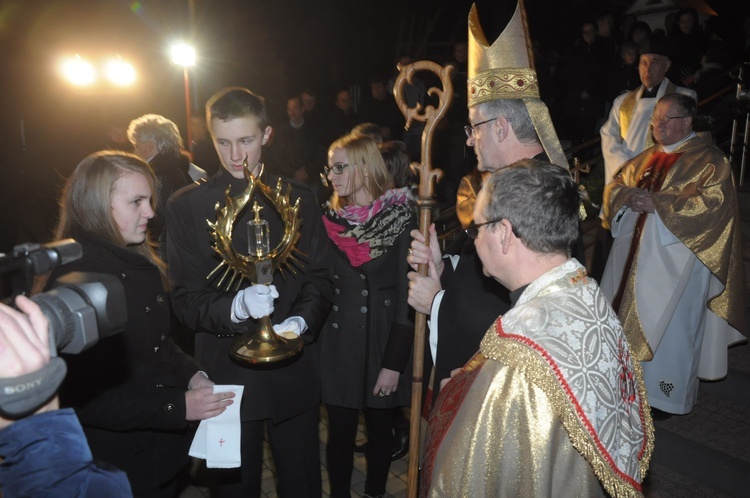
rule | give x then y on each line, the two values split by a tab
184	55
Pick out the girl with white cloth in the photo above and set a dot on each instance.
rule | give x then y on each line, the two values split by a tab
134	392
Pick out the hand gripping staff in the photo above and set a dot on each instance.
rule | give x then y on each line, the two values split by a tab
431	117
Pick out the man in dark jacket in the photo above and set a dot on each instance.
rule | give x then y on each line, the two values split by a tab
294	148
282	398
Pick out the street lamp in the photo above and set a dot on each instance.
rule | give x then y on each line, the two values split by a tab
78	71
184	55
118	72
81	73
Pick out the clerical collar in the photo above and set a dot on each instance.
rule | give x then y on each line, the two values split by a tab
295	126
669	148
650	93
516	295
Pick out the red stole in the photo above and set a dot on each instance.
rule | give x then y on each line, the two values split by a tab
651	180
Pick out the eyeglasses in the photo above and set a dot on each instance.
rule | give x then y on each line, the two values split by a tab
473	231
337	168
657	120
470	128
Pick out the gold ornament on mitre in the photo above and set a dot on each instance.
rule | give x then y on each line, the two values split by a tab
505	70
257	267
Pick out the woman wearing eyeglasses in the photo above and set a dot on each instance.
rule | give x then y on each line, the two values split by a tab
366	344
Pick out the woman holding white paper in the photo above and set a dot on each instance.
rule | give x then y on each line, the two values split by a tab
134	392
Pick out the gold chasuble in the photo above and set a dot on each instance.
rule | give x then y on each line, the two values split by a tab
697	202
651	180
553	404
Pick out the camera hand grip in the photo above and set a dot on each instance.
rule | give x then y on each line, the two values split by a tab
21	396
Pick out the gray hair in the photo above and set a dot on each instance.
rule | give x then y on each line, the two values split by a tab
541	202
686	103
514	110
158	129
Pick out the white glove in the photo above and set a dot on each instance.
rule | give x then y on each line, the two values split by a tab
293	324
255	301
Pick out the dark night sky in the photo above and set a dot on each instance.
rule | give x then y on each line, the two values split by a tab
274	47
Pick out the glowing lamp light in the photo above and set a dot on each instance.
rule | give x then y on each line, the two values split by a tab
119	73
78	71
183	55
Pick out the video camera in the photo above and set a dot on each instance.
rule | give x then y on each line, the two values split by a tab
81	308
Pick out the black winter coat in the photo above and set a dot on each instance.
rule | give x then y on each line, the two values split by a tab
369	328
128	390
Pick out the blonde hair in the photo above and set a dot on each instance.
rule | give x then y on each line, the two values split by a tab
87	200
364	157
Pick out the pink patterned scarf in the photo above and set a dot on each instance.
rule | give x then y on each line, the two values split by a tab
365	232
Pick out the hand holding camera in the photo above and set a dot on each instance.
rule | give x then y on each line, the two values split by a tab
24	345
79	310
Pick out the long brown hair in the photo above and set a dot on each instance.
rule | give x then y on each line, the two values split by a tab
86	201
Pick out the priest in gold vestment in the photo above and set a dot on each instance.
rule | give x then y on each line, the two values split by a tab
553	404
675	273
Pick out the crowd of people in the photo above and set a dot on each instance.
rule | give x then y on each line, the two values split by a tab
524	386
580	84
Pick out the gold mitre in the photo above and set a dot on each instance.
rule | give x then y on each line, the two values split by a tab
505	70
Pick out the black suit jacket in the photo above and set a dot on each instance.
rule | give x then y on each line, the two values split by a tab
281	390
